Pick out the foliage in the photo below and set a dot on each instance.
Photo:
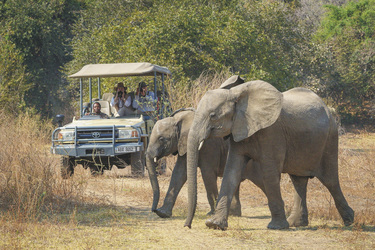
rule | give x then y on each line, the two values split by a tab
40	30
255	39
275	41
347	37
13	78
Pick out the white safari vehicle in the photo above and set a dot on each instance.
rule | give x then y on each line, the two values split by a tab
98	143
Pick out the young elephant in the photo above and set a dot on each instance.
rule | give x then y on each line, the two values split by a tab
291	132
169	136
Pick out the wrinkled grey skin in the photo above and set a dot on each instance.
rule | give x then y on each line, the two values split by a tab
169	136
291	132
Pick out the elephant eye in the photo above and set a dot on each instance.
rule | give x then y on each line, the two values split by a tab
161	138
212	115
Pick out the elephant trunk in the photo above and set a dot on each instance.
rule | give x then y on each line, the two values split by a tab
151	167
192	164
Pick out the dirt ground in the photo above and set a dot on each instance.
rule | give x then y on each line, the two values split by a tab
247	232
112	211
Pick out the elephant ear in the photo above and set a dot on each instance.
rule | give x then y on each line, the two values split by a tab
183	121
232	82
258	106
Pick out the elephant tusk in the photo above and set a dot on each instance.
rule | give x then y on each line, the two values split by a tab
200	145
155	160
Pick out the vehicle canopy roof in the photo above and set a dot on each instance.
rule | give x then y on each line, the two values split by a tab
120	69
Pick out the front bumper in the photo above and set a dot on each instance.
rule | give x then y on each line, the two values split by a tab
83	146
86	150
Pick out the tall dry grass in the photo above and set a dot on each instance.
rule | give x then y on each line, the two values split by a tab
190	94
29	182
357	173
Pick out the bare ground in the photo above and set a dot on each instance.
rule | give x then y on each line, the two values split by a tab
246	232
114	213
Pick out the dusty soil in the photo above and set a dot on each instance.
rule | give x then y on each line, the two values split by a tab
247	232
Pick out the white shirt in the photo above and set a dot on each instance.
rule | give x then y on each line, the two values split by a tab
121	103
144	103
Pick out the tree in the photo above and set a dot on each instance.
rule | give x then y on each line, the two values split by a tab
13	78
40	33
253	38
347	33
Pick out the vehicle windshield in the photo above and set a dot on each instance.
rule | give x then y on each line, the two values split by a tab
91	117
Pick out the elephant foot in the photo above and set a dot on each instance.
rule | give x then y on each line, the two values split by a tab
298	221
278	224
348	218
162	213
214	224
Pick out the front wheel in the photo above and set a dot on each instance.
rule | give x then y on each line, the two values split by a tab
96	169
66	166
137	164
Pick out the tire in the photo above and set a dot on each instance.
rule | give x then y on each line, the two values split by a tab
121	161
66	166
137	164
96	169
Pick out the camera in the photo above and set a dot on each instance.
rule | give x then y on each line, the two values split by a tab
119	94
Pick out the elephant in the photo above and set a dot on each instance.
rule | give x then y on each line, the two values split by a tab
290	132
169	136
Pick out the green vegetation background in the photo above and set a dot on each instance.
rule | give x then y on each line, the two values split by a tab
327	46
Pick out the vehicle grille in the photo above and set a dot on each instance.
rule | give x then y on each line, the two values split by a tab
95	134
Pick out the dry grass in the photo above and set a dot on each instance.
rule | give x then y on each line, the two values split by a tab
30	185
189	96
40	210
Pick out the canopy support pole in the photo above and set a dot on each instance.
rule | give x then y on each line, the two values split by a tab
155	87
80	96
99	93
90	94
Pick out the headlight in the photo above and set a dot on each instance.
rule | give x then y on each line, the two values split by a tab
66	135
127	133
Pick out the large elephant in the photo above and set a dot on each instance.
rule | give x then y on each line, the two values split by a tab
291	132
169	136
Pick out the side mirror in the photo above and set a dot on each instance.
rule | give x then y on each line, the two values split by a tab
60	119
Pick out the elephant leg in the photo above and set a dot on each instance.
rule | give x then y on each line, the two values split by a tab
235	207
299	215
210	183
253	172
330	179
231	180
178	179
271	180
333	185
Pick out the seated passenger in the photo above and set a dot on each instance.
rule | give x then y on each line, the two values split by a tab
96	110
122	101
144	100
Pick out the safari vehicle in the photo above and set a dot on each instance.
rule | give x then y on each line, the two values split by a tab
98	143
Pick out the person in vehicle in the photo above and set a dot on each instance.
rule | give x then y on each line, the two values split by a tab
122	101
144	101
96	110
